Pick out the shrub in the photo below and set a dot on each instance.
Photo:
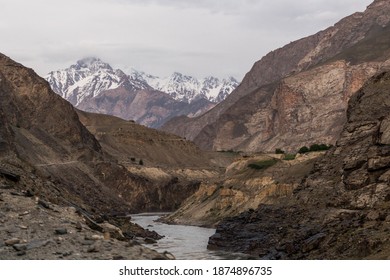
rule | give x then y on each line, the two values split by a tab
279	151
141	162
289	157
264	164
314	148
304	150
324	147
321	147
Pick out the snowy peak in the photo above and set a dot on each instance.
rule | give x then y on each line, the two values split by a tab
88	78
188	89
217	90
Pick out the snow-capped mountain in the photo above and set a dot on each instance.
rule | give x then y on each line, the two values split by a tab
188	89
88	78
93	85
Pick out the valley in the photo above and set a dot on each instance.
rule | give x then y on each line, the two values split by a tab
292	163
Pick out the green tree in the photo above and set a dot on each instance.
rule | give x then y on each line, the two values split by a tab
304	150
324	147
315	148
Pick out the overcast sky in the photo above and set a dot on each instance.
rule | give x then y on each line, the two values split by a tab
195	37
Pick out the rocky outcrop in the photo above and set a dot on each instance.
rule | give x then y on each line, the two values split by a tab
341	210
36	230
297	95
242	188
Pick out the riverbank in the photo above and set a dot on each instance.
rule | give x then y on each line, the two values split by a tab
34	229
184	242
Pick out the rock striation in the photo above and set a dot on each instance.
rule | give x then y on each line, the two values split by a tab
341	210
243	187
297	95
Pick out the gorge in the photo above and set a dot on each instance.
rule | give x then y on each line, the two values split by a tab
72	182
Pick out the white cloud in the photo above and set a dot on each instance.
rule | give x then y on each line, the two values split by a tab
204	37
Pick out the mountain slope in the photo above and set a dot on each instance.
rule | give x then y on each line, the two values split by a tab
148	107
41	134
296	95
341	210
88	78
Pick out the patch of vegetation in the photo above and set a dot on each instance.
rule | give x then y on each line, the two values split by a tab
229	152
141	162
303	150
264	164
279	151
314	148
289	157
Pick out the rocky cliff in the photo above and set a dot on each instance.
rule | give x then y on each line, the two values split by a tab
341	210
247	182
297	95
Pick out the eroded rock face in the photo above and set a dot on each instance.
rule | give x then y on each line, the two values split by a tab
303	109
341	210
297	95
243	188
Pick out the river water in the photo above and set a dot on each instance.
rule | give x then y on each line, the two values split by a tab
184	242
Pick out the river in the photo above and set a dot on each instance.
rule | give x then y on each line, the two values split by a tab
184	242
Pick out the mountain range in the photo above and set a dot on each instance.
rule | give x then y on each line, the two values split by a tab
187	88
93	85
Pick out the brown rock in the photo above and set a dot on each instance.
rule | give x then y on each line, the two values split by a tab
78	226
12	241
385	132
378	163
93	249
20	247
356	180
373	215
